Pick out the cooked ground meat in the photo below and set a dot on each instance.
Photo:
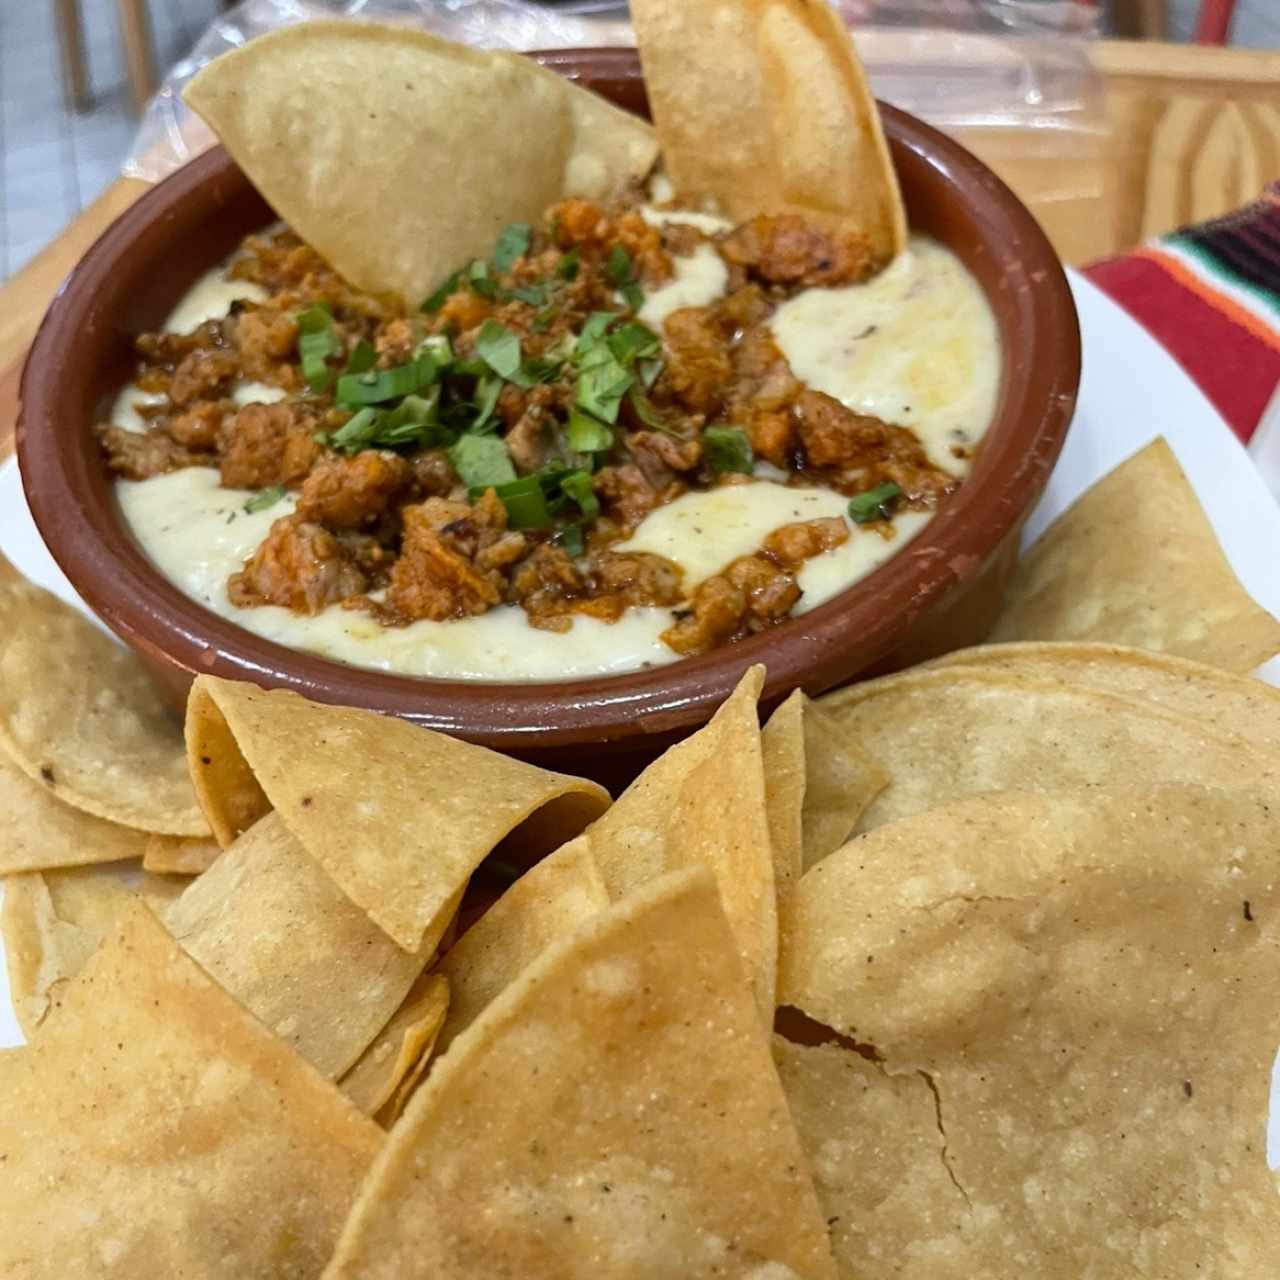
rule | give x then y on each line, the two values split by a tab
497	444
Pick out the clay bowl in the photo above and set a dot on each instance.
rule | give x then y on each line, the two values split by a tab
941	592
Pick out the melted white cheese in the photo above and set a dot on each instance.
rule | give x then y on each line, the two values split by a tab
210	298
709	223
700	277
915	345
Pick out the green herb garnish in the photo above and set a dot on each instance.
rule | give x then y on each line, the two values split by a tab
362	358
644	409
594	330
357	432
728	449
316	343
488	389
577	484
567	267
621	271
482	462
587	434
513	243
601	386
377	386
875	504
499	348
634	341
264	498
534	294
480	280
526	503
571	539
437	300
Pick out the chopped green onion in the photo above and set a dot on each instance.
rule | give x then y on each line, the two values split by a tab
499	348
634	341
316	343
376	386
577	484
413	421
875	504
728	449
357	432
618	267
525	502
437	300
513	243
264	498
438	346
535	370
571	539
587	434
482	462
633	296
362	358
567	267
480	280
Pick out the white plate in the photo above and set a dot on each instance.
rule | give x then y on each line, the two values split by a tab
1131	392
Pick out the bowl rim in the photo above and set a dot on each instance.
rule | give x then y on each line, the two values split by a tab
151	614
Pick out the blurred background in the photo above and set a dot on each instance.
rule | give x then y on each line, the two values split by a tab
75	73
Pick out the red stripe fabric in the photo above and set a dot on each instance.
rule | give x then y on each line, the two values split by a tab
1237	371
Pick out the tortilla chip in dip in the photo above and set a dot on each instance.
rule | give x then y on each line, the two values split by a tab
53	921
1229	704
155	1128
398	816
398	155
1135	561
546	904
398	1055
80	717
948	733
1088	985
271	926
763	107
703	803
614	1112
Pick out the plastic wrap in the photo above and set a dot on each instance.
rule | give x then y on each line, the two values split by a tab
960	64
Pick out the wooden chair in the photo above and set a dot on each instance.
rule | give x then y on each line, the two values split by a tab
135	34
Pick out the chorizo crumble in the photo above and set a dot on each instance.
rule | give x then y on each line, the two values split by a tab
495	445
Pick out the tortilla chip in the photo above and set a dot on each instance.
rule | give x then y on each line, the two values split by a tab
398	816
763	106
782	757
399	1053
949	733
37	830
157	1129
1089	985
614	1112
398	156
225	786
271	926
703	803
81	718
1135	561
546	904
1231	705
173	855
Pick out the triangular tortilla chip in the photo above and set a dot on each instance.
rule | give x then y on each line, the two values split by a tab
271	926
399	1053
763	106
399	156
155	1128
546	904
703	803
53	921
1239	706
1089	986
398	816
783	759
1134	560
948	733
614	1112
80	716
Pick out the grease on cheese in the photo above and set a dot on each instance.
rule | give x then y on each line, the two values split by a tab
915	345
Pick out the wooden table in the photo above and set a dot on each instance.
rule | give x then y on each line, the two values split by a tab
1190	133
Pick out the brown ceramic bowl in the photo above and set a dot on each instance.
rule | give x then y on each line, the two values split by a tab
942	591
